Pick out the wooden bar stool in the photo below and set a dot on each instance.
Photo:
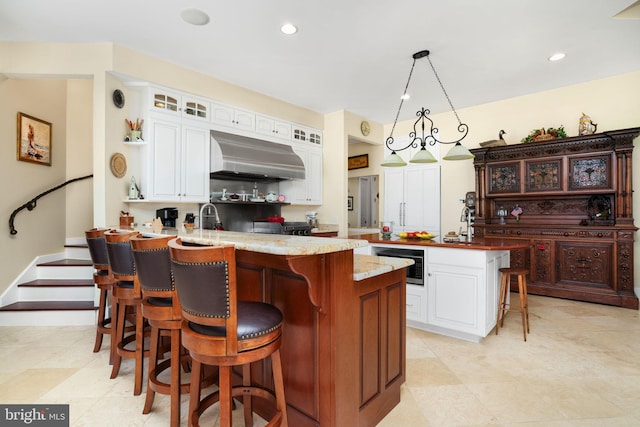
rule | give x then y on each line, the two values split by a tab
219	330
505	285
127	299
161	309
103	278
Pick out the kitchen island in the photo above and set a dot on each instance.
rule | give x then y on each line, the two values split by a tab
343	337
455	292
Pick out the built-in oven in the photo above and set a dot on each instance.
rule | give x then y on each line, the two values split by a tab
415	272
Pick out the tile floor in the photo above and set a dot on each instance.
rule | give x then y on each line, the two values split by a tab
580	366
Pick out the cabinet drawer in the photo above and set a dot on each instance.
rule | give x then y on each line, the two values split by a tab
414	307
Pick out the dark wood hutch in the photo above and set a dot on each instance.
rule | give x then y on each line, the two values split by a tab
577	213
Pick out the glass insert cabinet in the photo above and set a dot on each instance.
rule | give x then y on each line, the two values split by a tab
577	213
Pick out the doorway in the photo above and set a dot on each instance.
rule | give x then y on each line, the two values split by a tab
363	211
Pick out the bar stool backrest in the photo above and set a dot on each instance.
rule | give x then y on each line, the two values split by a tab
205	280
152	263
98	248
120	254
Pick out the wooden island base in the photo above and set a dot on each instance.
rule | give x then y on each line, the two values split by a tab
343	341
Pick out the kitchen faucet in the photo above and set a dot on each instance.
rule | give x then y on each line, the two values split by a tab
218	224
466	217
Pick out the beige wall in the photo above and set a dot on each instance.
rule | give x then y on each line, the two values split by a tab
79	200
42	230
612	103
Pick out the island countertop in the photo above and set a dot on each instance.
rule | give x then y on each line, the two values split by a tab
476	244
275	244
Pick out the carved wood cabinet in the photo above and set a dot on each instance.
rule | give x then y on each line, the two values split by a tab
575	195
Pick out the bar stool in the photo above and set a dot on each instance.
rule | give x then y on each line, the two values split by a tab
505	285
219	330
161	309
103	278
127	297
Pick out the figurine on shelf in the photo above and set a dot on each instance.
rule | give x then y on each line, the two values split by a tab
517	211
586	126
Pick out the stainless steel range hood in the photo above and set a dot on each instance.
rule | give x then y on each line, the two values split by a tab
244	158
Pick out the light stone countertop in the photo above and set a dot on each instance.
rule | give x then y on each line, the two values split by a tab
276	244
365	266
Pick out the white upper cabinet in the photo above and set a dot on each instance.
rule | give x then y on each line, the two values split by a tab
305	134
179	162
179	105
270	126
232	117
306	191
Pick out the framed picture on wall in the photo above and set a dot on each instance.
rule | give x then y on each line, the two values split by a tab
350	203
34	140
358	162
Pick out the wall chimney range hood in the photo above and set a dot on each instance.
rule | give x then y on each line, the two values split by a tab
242	158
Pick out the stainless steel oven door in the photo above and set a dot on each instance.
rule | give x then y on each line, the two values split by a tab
415	272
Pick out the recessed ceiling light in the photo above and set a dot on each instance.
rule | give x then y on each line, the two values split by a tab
289	29
557	56
194	17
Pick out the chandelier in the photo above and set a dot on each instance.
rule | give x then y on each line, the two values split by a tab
424	131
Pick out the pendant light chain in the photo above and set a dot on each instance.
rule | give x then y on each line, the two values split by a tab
402	98
443	90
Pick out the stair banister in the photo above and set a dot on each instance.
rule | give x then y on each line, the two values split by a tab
31	204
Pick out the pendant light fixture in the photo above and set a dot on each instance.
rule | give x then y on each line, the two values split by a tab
423	130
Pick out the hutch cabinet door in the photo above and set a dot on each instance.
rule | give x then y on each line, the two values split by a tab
590	173
504	178
586	264
544	175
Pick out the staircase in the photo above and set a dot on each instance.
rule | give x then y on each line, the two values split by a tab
56	290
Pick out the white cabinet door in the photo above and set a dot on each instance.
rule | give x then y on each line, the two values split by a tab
177	104
306	191
307	135
163	101
416	303
412	198
179	169
194	180
164	170
269	126
455	295
229	116
394	197
195	108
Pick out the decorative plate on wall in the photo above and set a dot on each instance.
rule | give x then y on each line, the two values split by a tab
118	165
118	98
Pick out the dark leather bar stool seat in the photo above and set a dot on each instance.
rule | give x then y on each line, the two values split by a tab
219	330
127	301
103	278
505	286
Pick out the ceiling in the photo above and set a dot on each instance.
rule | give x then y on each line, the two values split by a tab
356	55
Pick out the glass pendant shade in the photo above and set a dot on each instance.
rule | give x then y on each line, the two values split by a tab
458	152
393	160
423	156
